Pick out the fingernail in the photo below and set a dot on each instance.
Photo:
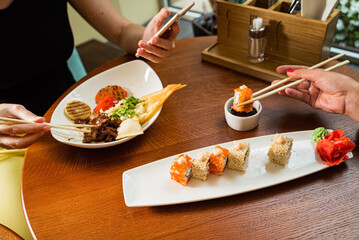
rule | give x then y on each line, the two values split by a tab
142	44
140	51
290	70
173	44
46	127
39	119
154	40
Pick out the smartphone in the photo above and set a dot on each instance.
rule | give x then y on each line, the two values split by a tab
171	22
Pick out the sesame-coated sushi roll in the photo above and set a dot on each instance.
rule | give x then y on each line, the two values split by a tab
238	156
200	166
280	149
218	160
181	169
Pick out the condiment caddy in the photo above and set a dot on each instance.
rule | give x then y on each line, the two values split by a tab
290	38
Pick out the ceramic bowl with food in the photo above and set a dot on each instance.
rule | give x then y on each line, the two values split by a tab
242	123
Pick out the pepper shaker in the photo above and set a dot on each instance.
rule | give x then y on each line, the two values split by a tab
256	41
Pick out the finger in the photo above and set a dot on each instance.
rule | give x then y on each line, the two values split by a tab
148	56
311	75
20	112
19	142
160	18
302	96
154	50
276	81
24	128
175	30
163	43
282	93
303	85
284	68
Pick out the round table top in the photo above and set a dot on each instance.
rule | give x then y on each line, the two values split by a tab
7	234
71	192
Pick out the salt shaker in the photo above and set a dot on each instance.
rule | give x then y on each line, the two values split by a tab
256	41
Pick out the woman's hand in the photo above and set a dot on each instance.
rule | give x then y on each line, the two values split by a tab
9	134
329	91
158	48
132	38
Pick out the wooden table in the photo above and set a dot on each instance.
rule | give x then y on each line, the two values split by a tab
8	234
72	193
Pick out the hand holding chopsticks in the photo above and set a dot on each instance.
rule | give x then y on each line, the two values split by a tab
330	91
257	95
71	127
30	133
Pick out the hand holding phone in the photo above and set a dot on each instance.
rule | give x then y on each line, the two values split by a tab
171	22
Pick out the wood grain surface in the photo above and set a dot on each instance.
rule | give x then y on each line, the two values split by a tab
70	192
7	234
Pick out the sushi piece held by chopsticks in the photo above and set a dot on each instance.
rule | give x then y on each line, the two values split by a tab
242	94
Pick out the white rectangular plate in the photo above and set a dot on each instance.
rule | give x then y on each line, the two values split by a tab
151	185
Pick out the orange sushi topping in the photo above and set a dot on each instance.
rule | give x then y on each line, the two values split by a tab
217	162
242	94
179	168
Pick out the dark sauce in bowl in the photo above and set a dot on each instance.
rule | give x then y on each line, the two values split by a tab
243	114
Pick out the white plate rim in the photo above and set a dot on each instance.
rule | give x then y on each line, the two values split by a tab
57	132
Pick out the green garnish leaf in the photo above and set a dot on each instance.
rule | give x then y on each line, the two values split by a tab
319	133
128	108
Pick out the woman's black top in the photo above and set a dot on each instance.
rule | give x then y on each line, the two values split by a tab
35	42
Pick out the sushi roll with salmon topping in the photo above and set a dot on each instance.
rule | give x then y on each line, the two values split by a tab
218	160
242	94
280	149
200	167
238	156
181	169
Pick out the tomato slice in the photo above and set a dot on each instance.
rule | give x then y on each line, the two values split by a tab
106	103
111	90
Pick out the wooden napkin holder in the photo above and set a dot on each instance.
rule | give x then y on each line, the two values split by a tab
291	39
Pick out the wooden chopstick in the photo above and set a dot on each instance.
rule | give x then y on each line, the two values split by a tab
289	78
290	84
73	125
8	121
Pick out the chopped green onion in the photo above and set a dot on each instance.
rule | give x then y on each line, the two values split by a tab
128	108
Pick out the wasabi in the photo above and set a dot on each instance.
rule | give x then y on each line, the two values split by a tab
319	133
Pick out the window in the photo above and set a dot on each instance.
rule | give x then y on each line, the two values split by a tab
347	35
200	7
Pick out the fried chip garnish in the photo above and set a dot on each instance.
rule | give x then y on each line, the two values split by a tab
155	100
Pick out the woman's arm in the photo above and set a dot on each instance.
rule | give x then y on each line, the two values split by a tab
105	18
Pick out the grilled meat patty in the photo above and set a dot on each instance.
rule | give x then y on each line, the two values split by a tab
77	110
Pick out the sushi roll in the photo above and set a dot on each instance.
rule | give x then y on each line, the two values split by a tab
181	169
280	149
238	156
218	160
242	94
200	166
